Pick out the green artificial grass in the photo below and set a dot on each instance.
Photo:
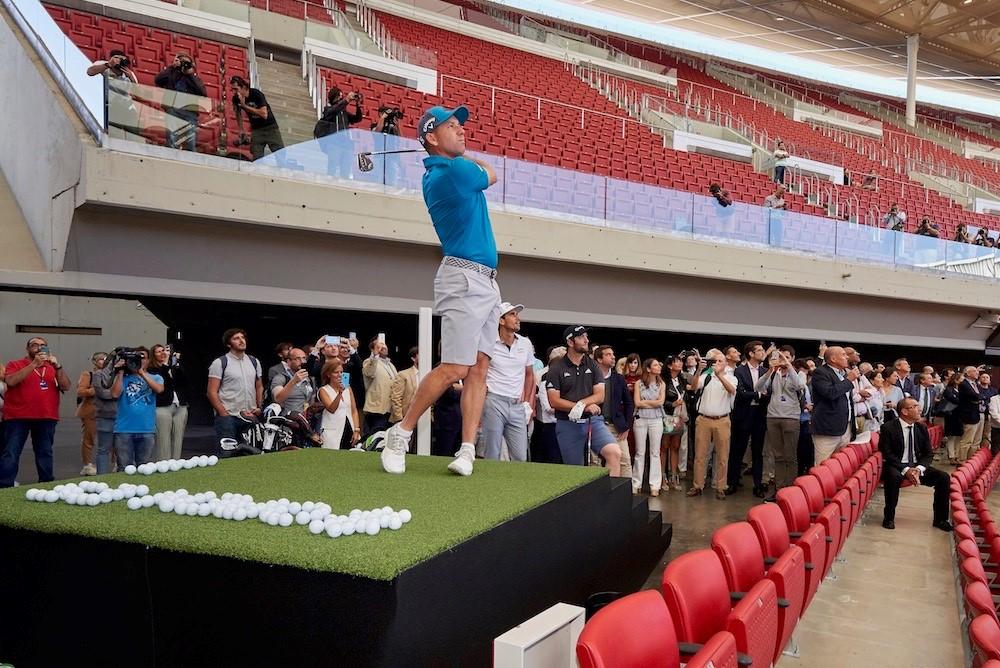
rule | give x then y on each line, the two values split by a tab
447	509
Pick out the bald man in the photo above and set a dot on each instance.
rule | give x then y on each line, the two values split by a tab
832	387
968	412
292	388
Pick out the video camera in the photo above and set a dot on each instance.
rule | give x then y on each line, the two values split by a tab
131	356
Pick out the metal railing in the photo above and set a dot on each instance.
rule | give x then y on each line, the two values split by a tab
389	46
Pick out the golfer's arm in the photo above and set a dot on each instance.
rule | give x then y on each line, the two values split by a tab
558	403
490	174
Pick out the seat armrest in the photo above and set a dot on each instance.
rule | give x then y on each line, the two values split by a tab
737	595
829	539
795	534
813	516
770	561
784	603
809	565
689	648
743	659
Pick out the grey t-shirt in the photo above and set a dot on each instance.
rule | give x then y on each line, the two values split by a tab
237	390
298	400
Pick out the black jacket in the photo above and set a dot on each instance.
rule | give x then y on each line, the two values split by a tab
335	118
619	402
968	403
831	410
743	408
172	78
892	445
174	380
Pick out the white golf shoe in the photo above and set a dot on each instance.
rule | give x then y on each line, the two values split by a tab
463	460
394	453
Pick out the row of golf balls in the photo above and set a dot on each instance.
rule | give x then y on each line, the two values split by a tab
165	465
275	512
87	493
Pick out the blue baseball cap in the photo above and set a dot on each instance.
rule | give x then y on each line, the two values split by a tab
435	116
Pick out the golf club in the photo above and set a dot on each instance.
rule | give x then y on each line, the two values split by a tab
365	163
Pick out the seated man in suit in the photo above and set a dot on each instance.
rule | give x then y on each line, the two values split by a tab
906	455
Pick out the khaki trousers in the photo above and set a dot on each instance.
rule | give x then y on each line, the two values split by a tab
708	431
825	446
967	445
782	441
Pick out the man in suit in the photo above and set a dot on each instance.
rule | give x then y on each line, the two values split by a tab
404	387
925	394
832	390
905	382
968	412
906	455
749	419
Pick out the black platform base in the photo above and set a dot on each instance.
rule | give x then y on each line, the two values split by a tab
78	601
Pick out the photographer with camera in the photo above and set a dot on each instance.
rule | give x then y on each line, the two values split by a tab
264	130
336	118
387	123
117	66
895	220
927	228
31	407
181	77
117	70
135	389
172	403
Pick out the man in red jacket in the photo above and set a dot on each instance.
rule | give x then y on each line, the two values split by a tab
31	406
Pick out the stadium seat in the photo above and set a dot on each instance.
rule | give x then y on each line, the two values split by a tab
979	600
772	533
984	632
694	587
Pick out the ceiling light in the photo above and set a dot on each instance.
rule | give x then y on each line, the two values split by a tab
780	18
839	39
966	2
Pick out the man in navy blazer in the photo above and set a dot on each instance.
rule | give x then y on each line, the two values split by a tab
907	456
925	394
749	419
618	407
832	387
967	412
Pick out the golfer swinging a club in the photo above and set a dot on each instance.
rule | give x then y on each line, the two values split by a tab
466	295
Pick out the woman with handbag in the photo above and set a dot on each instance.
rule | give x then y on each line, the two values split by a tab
673	422
953	427
650	393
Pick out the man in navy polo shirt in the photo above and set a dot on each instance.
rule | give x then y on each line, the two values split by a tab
466	295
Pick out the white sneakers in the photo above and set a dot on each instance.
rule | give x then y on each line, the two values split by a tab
463	460
394	455
394	452
88	469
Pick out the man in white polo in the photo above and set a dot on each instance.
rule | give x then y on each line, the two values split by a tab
510	384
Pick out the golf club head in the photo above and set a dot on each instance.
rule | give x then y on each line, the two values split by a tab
365	163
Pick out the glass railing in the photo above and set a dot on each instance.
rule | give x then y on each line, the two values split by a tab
151	115
537	189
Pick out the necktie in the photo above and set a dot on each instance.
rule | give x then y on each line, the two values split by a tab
923	402
910	459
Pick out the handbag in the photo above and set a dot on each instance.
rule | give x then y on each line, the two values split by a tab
944	407
672	424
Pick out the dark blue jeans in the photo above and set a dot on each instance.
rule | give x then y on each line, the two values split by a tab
16	434
134	449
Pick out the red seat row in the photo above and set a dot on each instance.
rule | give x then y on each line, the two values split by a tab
738	603
977	550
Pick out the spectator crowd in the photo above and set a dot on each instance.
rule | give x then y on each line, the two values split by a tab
689	422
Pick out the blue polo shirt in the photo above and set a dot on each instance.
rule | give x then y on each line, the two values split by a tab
453	191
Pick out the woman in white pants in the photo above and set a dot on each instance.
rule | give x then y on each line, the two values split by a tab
650	392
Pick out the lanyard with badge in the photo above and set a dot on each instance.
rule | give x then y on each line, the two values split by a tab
42	383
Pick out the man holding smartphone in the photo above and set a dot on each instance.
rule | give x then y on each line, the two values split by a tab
35	384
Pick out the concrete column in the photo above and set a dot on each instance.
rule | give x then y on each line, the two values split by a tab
425	322
912	44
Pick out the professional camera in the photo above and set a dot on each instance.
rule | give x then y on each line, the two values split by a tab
392	114
124	62
131	356
355	96
186	66
242	140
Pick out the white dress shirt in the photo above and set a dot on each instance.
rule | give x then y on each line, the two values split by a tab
910	448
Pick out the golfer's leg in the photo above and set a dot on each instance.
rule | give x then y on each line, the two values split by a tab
473	397
430	390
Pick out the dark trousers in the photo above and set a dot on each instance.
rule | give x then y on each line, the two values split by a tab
544	445
754	437
779	174
269	137
15	433
994	440
447	439
376	422
932	477
806	453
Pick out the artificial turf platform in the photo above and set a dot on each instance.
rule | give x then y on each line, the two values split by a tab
447	509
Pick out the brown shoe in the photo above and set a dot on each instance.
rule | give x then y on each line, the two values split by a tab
720	495
654	492
694	491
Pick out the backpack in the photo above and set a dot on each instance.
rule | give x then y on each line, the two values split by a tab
224	362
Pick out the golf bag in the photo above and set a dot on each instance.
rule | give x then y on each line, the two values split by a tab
270	432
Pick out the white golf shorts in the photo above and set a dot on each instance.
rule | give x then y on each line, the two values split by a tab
469	305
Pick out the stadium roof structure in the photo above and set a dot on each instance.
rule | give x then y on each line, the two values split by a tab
959	45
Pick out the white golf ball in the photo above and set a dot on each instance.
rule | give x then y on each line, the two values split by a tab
92	499
59	488
316	514
405	515
75	500
50	496
302	518
135	503
117	495
335	530
189	463
383	520
283	502
192	509
127	493
130	469
142	490
226	496
395	523
227	513
181	492
180	508
387	510
294	507
264	516
31	494
203	461
347	528
308	506
213	460
239	514
210	494
273	518
217	512
148	501
204	510
285	520
162	466
252	511
372	527
316	527
107	496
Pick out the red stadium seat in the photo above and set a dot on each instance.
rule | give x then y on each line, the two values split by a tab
772	533
979	600
984	632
